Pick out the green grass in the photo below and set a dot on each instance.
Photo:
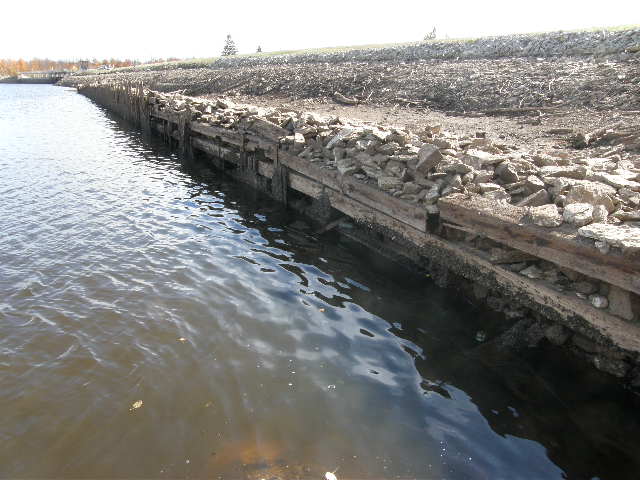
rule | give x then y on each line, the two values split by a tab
203	62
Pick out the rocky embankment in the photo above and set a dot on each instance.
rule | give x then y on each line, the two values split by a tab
558	70
595	192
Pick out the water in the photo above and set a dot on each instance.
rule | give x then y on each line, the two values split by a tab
250	346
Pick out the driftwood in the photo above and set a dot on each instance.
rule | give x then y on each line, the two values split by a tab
519	111
338	97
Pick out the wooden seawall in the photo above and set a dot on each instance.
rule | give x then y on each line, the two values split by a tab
447	241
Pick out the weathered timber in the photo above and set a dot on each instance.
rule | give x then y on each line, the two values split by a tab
504	223
216	149
305	185
407	213
223	134
575	313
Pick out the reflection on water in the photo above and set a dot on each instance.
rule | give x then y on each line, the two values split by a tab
157	321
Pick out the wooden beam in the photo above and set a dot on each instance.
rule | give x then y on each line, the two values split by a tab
215	149
224	134
406	212
305	185
504	223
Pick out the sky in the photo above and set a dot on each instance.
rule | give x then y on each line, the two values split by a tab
143	30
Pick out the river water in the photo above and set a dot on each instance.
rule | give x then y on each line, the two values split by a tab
159	321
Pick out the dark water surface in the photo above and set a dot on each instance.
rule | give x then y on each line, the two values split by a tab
256	348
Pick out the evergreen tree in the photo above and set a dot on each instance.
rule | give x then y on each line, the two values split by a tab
431	35
229	47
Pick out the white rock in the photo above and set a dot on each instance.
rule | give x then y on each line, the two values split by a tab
599	301
625	237
489	187
578	214
545	216
341	134
388	183
600	214
592	193
428	157
617	181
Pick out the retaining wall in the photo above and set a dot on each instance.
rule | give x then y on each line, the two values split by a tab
470	241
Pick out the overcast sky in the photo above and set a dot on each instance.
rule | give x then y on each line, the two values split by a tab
150	29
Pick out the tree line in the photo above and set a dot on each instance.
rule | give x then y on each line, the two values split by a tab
10	67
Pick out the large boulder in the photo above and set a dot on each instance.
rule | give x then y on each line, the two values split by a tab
625	237
545	216
592	193
507	172
429	157
578	214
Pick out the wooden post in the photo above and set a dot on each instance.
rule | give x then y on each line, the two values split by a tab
280	179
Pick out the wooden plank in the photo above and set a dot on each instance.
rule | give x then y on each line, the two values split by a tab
369	215
504	223
254	142
215	149
404	211
226	135
165	114
305	185
305	167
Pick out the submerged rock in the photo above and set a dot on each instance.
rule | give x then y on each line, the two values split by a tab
599	301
